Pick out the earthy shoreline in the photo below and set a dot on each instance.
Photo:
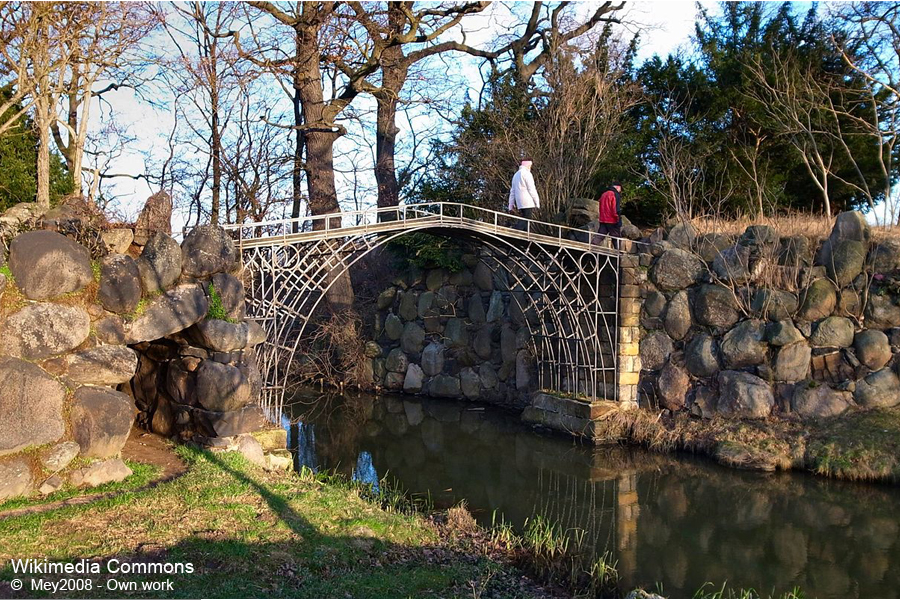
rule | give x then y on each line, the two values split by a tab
857	446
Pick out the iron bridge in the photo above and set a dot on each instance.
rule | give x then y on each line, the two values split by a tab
566	286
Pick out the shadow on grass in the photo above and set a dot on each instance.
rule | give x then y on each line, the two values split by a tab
289	558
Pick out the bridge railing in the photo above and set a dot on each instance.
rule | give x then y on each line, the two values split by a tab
376	219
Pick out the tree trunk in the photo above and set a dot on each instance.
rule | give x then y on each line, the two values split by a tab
43	157
216	162
319	135
394	74
297	173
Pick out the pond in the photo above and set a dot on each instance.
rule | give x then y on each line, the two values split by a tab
673	520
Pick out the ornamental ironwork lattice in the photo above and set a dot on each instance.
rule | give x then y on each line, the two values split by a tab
563	286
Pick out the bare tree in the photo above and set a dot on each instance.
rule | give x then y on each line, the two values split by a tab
791	93
871	49
26	57
390	31
98	43
206	76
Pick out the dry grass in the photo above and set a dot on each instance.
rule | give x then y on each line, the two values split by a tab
861	445
805	224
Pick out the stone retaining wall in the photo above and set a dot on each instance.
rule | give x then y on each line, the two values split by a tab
101	326
764	324
453	335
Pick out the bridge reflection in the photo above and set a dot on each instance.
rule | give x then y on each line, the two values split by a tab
676	520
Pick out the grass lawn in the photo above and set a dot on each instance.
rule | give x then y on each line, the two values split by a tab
249	533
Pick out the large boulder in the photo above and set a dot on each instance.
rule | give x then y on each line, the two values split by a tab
880	389
775	305
230	290
433	359
221	387
230	423
412	338
716	306
120	284
156	216
445	386
223	336
846	261
31	406
884	257
819	301
207	250
678	316
117	241
761	239
745	345
812	401
15	479
393	327
882	311
783	333
655	350
682	235
46	264
732	265
159	263
673	385
676	269
456	333
470	383
101	420
792	362
743	395
482	342
483	278
833	332
710	245
103	365
397	362
872	348
42	330
409	306
795	252
701	356
415	378
386	298
174	311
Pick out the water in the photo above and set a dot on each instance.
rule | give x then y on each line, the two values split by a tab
670	519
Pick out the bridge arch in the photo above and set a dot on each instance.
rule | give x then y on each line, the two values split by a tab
567	291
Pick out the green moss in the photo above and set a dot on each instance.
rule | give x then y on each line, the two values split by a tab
95	269
7	272
217	307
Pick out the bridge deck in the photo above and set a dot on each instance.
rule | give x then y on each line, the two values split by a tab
410	218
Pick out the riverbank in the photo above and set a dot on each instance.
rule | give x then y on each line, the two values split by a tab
252	533
857	446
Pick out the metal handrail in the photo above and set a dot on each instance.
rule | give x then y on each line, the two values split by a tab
366	219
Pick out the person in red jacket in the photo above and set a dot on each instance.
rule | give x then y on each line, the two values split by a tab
610	212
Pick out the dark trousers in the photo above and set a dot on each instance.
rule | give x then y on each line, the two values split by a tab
605	229
525	213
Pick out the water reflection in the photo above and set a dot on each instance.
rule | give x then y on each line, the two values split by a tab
676	520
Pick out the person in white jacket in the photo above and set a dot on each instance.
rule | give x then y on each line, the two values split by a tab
523	196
